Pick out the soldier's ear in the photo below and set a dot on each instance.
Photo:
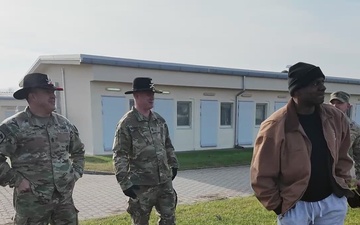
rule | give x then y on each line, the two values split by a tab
30	95
136	95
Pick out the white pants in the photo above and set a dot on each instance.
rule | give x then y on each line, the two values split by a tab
329	211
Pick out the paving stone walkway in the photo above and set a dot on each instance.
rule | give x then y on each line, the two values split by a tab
99	195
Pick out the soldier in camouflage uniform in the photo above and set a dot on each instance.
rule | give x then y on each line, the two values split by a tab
144	159
340	100
46	154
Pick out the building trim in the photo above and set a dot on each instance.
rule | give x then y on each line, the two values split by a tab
77	59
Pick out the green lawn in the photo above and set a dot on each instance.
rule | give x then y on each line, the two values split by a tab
239	211
99	163
214	158
188	160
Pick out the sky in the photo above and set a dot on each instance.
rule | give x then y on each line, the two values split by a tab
243	34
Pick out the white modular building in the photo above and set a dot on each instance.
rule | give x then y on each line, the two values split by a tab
9	105
206	107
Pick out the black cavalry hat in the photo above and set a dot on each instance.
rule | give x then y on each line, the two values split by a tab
34	80
143	84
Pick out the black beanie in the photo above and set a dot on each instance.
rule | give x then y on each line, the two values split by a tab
302	74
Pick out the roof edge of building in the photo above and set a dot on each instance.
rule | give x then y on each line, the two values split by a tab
77	59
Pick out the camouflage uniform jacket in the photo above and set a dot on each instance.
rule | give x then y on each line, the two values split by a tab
49	156
354	150
143	153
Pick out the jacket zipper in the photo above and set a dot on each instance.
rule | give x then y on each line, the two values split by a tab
49	141
153	143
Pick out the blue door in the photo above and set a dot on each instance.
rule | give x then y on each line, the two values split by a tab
246	122
209	123
165	107
113	109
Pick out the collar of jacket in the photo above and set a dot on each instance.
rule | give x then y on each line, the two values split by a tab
141	117
36	122
292	122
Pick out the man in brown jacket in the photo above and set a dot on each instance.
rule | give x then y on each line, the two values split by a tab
300	167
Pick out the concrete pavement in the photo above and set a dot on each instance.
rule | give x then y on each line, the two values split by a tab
98	196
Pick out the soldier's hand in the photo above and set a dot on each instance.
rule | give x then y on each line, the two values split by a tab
174	172
130	191
24	185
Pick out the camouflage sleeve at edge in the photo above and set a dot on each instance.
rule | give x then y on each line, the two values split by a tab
356	156
121	148
77	152
172	159
8	176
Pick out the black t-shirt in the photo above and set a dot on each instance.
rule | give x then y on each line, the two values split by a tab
320	184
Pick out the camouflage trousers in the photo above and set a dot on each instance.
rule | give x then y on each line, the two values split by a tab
31	211
162	196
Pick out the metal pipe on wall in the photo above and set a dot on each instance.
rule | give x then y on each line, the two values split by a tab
236	112
64	92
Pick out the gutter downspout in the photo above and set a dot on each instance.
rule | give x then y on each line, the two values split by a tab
237	112
64	92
